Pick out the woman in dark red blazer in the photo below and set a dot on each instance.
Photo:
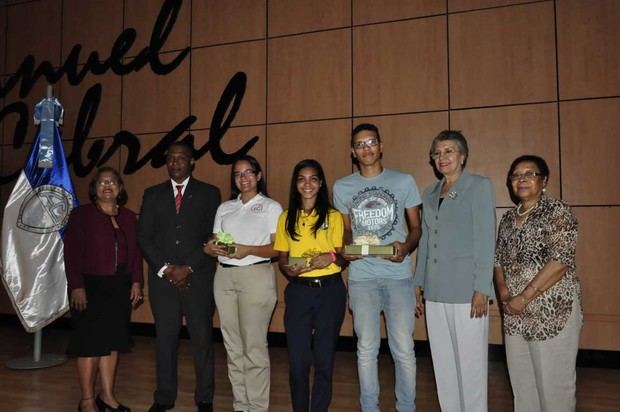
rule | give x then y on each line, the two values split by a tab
104	275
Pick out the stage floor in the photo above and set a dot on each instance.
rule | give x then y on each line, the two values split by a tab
56	389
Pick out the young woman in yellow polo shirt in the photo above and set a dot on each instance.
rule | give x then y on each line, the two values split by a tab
315	296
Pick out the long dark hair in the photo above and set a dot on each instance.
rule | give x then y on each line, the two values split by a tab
92	185
261	185
321	206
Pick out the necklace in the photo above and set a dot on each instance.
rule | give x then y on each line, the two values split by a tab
521	214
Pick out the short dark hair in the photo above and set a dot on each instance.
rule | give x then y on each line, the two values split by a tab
183	145
540	163
454	135
364	126
92	185
261	185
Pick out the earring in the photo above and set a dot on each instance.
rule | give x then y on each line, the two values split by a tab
544	189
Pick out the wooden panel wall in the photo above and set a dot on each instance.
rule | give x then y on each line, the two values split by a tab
516	77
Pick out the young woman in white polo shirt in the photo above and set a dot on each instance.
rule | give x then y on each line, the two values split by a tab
245	283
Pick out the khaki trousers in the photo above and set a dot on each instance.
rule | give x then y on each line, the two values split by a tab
542	373
245	299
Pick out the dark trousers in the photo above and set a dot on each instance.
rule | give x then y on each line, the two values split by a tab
169	304
312	322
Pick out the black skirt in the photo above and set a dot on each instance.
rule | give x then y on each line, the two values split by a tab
103	326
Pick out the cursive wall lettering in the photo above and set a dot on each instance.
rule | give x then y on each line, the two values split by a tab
230	101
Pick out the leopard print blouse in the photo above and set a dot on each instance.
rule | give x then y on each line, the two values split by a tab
548	233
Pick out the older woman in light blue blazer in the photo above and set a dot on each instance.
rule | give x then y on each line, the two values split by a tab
455	271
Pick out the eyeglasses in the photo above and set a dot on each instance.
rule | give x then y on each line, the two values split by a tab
446	153
365	143
107	182
245	173
515	177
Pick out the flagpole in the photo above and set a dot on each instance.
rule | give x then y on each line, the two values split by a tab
38	360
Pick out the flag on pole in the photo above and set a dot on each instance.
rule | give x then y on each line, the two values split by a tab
33	268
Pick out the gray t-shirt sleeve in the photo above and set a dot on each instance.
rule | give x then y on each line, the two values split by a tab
412	197
339	202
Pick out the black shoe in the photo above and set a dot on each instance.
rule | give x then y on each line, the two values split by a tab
104	407
205	407
156	407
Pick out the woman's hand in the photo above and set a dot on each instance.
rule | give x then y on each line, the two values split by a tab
296	270
419	304
515	305
241	251
78	299
479	305
504	294
212	249
321	261
136	295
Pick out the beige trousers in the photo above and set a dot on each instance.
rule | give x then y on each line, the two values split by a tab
245	298
542	373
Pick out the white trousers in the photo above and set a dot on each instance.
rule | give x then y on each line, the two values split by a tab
460	351
542	373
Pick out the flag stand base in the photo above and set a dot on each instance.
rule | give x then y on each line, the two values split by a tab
37	361
45	361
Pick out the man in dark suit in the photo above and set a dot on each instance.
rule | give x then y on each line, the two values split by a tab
176	219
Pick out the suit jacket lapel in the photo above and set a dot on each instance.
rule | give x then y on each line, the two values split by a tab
453	194
459	187
456	192
167	198
187	195
434	196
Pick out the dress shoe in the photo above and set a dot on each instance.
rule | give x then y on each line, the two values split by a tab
104	407
205	407
156	407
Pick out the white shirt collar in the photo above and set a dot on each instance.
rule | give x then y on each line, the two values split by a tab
254	199
184	183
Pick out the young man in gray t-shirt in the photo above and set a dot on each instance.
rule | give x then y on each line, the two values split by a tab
384	204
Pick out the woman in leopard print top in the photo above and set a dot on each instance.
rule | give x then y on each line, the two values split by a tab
539	290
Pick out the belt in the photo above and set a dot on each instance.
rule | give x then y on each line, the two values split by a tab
318	281
260	262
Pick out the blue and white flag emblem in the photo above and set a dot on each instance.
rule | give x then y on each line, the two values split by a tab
33	268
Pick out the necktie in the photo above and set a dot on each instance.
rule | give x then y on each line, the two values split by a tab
179	198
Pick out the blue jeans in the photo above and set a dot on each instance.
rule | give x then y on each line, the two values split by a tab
396	298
